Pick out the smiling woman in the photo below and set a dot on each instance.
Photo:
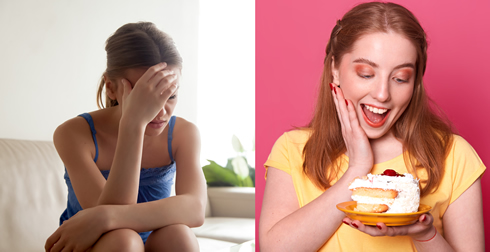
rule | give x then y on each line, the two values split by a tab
379	66
372	114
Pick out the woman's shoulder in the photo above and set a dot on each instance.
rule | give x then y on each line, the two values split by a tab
185	139
184	130
73	135
461	147
72	127
184	126
79	126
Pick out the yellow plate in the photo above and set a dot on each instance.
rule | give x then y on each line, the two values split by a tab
389	219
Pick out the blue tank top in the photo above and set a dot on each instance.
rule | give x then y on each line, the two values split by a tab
155	183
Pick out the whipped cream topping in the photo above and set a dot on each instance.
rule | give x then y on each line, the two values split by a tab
408	198
385	182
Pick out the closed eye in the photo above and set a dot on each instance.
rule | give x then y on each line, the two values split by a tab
172	97
365	76
400	80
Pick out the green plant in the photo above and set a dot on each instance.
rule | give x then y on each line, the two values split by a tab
237	171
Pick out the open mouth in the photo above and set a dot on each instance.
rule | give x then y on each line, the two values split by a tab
374	116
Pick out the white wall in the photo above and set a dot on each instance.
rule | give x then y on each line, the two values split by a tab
52	56
226	90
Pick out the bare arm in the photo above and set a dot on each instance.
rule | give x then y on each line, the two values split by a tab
75	147
281	216
122	184
190	182
463	224
187	207
139	106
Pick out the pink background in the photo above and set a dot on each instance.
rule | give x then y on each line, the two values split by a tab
290	46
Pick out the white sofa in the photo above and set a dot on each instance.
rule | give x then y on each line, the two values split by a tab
33	195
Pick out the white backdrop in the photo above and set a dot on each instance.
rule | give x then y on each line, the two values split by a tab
226	90
52	57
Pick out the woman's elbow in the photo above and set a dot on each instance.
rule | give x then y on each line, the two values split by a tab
267	241
197	213
197	222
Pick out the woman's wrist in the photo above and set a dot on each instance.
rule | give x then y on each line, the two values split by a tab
121	216
131	124
110	214
106	217
357	171
425	236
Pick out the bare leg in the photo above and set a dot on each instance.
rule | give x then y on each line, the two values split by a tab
120	240
176	237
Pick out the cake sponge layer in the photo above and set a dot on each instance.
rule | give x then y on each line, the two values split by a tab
375	192
371	208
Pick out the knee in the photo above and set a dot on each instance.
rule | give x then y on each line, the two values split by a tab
177	237
120	240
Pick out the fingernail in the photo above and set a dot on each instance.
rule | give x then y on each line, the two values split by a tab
345	222
334	90
346	103
354	224
331	86
379	227
423	218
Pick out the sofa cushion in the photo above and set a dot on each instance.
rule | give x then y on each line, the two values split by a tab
237	230
232	201
32	193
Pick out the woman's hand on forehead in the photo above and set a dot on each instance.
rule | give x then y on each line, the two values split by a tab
149	94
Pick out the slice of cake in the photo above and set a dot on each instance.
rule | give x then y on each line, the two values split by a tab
389	192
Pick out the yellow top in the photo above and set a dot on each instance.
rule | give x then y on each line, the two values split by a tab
463	167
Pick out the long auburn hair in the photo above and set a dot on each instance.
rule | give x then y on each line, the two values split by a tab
426	133
134	45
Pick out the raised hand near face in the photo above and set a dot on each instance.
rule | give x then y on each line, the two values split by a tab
356	141
143	102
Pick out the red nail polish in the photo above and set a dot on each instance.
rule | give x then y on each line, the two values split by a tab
345	222
346	103
354	224
379	227
423	218
331	86
334	90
